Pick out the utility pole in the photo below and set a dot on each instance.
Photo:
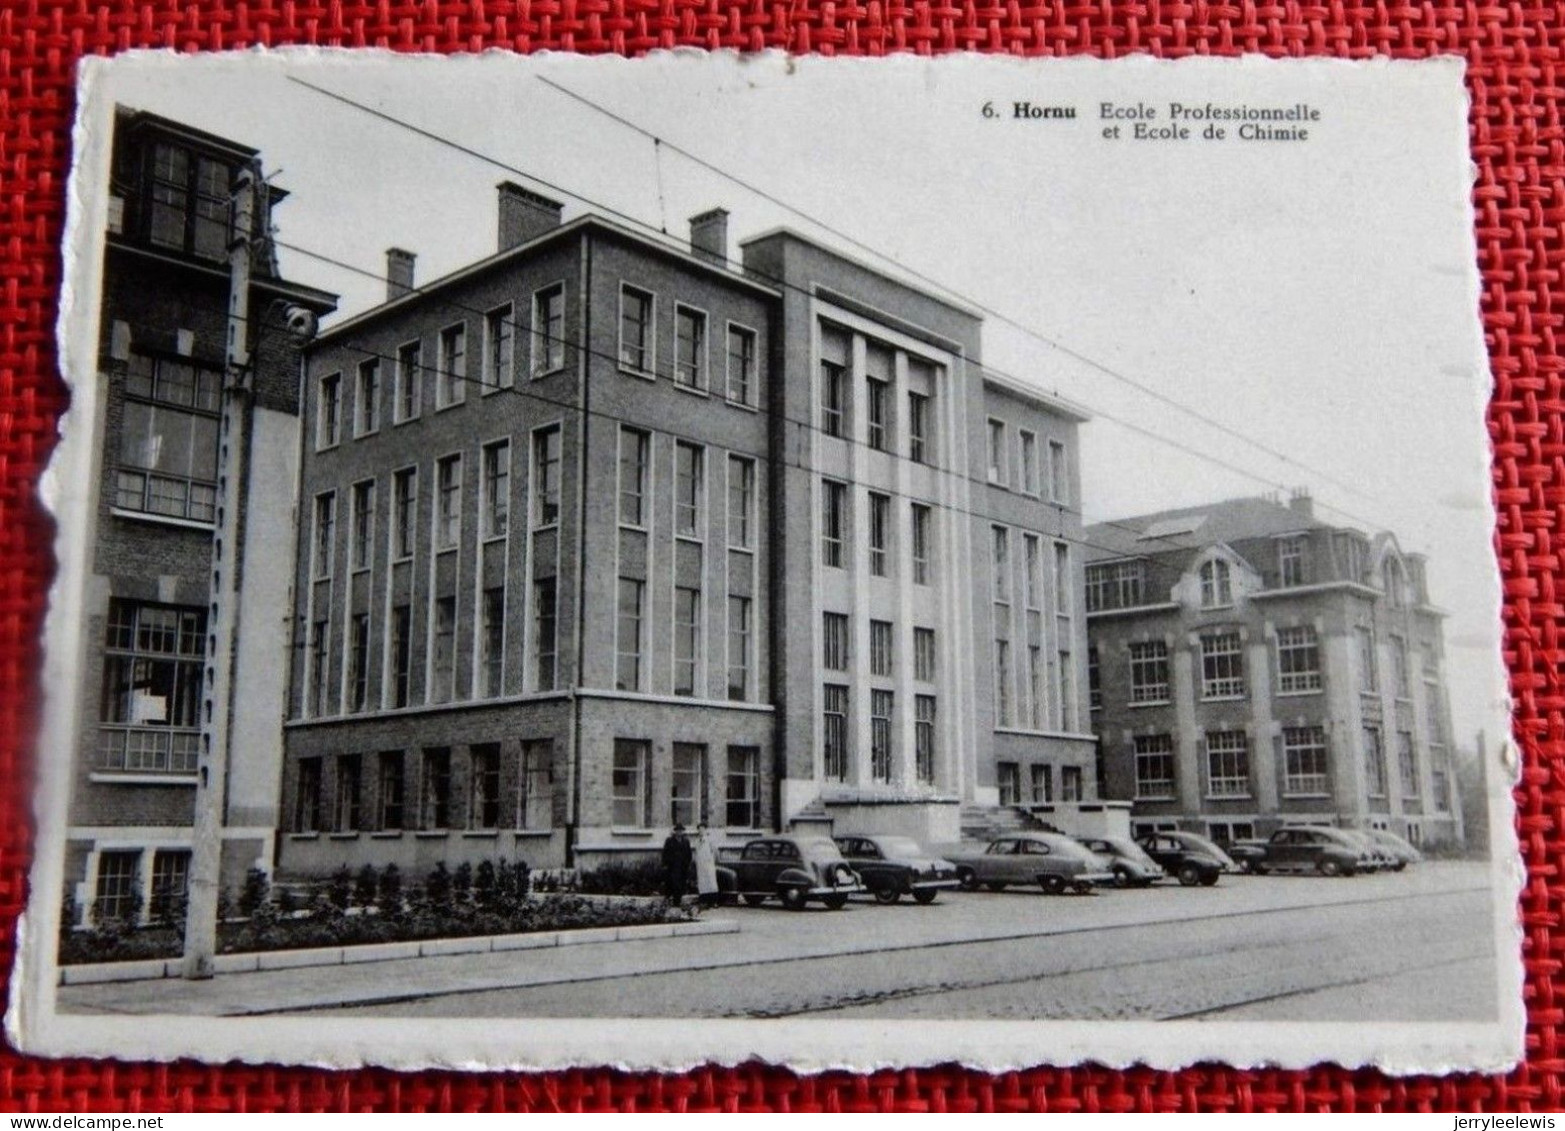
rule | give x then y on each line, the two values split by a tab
233	446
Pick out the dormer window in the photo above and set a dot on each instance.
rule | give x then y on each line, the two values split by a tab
189	199
1216	585
1395	584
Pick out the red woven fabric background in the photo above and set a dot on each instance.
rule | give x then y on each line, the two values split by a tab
1516	72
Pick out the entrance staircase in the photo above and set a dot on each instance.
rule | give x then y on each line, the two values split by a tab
985	822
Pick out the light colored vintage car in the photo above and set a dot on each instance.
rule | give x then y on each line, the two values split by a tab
1130	863
793	869
1400	850
1053	861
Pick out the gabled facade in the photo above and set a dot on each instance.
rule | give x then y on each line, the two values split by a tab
1254	666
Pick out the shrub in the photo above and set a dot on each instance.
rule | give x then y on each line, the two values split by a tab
437	889
365	886
389	893
486	889
462	884
257	890
636	877
339	890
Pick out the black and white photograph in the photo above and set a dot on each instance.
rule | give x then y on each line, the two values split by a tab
848	563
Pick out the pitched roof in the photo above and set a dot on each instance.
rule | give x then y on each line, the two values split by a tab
1190	528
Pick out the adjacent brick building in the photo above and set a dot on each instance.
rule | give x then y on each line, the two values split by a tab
163	325
1254	665
598	535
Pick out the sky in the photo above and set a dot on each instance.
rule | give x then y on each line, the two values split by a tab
1276	314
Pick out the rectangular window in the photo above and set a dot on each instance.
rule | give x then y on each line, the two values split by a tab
832	408
1154	767
1290	561
546	477
329	412
634	448
879	532
687	638
1298	660
409	380
1114	585
689	347
1000	561
1222	665
499	362
880	707
1065	669
117	898
1032	573
688	797
1042	785
741	364
627	659
545	643
549	330
1030	470
635	330
168	439
492	642
1401	674
921	544
325	533
358	661
404	511
434	794
1037	682
149	710
834	739
738	648
632	783
363	525
346	796
1407	765
880	647
1063	588
170	884
743	809
451	381
924	654
1059	474
834	642
307	797
1002	683
1374	762
1227	763
1440	791
689	489
1149	672
320	686
1304	761
1008	778
877	400
401	655
497	488
390	790
367	402
741	503
443	660
918	427
924	738
997	459
483	795
448	502
1368	661
833	521
189	202
1070	784
535	796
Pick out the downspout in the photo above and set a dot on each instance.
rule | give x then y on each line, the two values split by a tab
572	827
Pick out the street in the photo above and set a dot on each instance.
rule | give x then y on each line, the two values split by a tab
1412	946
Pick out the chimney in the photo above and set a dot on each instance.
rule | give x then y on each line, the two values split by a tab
399	272
524	214
1300	503
709	235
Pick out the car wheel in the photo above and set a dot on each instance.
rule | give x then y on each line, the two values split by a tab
753	899
1121	878
1209	880
887	892
1053	885
1329	868
994	885
1399	865
1082	888
967	879
1189	875
926	895
1255	868
836	901
793	899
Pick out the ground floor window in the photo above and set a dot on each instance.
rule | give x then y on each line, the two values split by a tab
435	789
924	738
834	744
880	703
1043	785
1226	832
347	793
483	810
689	794
535	801
1070	783
307	797
118	894
1008	778
170	883
744	788
391	790
632	779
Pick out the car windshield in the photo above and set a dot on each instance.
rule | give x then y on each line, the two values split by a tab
819	848
899	846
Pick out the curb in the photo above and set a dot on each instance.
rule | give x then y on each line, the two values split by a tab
138	970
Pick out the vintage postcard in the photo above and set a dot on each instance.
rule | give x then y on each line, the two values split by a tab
849	563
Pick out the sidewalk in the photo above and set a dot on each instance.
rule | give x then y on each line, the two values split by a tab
766	934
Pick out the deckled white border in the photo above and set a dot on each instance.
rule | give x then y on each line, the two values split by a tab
808	1046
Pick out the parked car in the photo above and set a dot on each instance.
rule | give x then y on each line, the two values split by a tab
891	866
1051	860
1401	851
1191	861
1131	866
1372	855
1300	848
794	869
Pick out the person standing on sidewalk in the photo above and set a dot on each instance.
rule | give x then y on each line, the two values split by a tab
676	866
706	867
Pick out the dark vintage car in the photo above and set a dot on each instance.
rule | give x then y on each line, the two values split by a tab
1131	866
794	869
893	866
1188	858
1052	860
1300	848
